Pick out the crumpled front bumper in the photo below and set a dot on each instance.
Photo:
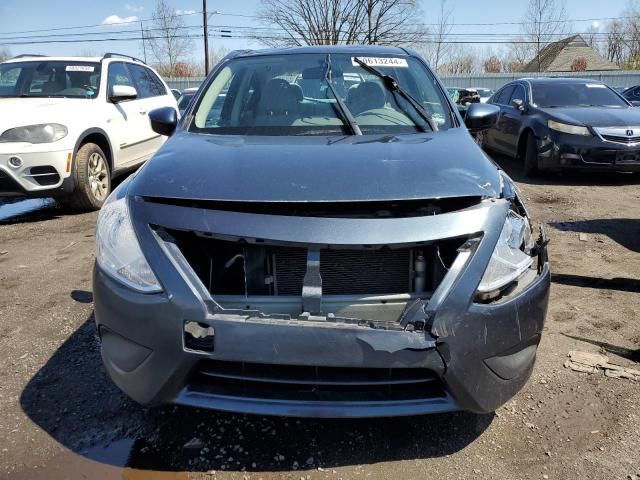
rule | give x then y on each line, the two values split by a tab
481	353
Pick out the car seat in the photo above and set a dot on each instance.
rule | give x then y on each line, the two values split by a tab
365	96
279	103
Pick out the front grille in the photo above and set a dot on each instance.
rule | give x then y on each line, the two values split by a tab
623	140
241	268
314	383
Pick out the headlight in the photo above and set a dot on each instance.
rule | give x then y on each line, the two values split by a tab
43	133
566	128
511	258
117	250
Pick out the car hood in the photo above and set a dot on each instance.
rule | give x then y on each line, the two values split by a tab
596	116
32	111
307	169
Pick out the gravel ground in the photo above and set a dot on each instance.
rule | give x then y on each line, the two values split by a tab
61	418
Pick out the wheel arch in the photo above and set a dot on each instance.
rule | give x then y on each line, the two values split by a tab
522	141
99	137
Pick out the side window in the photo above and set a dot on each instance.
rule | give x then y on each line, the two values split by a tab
9	81
636	93
118	75
518	93
505	95
147	83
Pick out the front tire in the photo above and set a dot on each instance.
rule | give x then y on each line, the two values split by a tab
531	157
92	178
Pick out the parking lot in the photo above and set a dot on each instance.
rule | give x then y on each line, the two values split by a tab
61	417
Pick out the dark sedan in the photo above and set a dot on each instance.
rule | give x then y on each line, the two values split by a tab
331	253
565	123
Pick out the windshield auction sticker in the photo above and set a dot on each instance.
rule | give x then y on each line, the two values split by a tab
381	62
80	68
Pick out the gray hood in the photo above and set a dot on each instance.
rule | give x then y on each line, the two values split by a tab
308	169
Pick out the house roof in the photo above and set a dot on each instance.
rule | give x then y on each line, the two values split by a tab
559	56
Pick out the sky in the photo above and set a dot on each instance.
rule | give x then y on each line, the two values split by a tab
49	17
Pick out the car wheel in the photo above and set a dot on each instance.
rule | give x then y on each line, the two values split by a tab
531	157
92	178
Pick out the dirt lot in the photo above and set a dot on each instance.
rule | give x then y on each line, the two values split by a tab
60	417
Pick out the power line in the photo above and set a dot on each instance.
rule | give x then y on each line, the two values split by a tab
454	24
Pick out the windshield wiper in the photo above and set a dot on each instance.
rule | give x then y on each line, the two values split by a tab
392	84
342	109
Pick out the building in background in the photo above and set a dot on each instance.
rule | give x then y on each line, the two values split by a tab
571	54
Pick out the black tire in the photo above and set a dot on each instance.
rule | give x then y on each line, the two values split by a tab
530	156
92	178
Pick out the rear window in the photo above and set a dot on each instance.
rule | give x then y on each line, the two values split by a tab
68	79
573	94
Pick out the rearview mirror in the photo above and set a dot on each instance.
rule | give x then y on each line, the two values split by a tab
517	103
120	93
481	116
164	120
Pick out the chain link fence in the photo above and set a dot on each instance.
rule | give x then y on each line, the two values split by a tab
484	80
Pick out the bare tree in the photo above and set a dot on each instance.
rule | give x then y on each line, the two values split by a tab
330	22
615	42
5	54
492	65
436	48
167	38
544	22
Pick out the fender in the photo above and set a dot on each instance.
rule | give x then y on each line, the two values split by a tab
68	184
84	135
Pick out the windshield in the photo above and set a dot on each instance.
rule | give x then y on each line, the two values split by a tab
45	78
289	95
484	92
184	100
573	94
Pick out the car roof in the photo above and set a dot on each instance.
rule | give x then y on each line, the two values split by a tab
576	80
46	58
324	49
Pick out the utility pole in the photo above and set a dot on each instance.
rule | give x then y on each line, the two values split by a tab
144	46
206	37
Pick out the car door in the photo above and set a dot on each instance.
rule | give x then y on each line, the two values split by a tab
152	94
126	117
496	137
512	119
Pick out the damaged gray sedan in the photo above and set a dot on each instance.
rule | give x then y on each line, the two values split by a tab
321	237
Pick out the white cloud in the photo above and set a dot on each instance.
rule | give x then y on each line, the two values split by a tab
133	8
185	12
116	20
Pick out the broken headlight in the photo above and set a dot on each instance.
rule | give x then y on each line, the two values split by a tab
118	251
511	257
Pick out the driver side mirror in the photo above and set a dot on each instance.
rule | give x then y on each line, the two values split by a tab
518	104
120	93
164	120
481	116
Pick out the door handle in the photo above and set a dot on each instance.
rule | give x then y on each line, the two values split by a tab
142	112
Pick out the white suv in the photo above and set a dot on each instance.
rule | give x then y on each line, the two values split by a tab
69	124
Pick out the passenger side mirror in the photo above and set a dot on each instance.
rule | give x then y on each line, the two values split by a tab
481	116
120	93
164	120
518	104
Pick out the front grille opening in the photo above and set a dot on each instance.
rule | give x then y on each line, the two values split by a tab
250	269
314	383
44	175
623	140
361	209
8	184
